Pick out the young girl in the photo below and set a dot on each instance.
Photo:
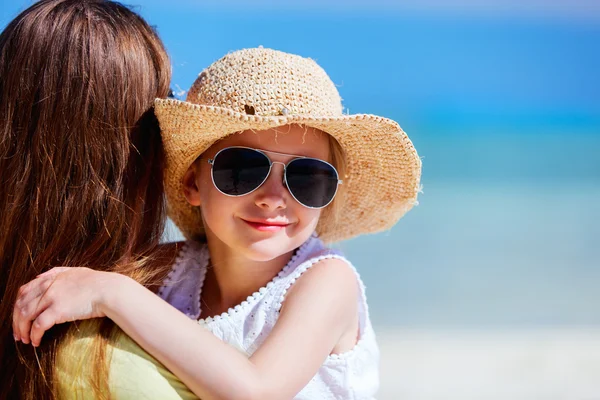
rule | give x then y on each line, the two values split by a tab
262	169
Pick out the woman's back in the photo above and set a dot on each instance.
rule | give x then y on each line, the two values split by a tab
133	372
80	160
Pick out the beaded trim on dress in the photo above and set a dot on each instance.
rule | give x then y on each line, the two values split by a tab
254	297
351	374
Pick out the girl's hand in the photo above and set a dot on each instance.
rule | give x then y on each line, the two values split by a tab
60	295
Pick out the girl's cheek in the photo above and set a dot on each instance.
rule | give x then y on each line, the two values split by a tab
311	217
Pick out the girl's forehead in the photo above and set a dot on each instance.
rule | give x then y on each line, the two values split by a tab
288	139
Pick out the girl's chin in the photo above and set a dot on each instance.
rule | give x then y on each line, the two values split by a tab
271	248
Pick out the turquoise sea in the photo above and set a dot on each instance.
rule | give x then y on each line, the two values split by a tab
507	234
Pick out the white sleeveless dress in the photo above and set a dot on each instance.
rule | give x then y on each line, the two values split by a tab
350	375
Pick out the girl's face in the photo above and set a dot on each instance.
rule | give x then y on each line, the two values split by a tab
267	222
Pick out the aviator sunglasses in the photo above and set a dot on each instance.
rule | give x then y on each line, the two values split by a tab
237	171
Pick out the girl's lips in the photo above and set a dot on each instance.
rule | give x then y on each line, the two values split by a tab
265	226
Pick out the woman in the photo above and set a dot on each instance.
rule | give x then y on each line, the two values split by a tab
80	166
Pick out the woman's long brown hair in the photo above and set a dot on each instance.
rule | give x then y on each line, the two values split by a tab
80	160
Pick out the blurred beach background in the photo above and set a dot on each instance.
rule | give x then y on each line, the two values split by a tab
490	288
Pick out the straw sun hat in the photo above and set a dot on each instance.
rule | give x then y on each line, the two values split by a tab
260	89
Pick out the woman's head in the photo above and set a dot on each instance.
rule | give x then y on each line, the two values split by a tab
80	154
77	78
247	201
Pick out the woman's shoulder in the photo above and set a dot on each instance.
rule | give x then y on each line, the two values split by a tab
172	247
131	370
168	253
162	261
181	284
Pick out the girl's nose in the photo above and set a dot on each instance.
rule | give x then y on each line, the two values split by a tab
272	195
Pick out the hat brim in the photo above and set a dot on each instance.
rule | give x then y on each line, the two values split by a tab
383	168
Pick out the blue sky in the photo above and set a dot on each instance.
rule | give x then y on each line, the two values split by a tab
462	63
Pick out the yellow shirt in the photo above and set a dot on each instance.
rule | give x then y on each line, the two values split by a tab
133	373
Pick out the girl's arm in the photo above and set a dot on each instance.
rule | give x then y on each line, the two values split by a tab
318	309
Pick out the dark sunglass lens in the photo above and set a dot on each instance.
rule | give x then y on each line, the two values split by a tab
238	171
312	182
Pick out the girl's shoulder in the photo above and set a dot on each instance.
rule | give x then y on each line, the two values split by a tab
317	268
315	253
324	277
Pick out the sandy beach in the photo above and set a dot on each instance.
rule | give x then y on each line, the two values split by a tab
542	364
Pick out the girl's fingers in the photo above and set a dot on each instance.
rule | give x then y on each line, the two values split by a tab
47	277
37	289
28	296
44	321
27	313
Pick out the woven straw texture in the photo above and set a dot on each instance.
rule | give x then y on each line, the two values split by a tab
260	89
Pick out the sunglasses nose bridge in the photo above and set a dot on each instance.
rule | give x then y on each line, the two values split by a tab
283	165
279	162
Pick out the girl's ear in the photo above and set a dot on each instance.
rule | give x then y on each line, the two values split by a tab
191	191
